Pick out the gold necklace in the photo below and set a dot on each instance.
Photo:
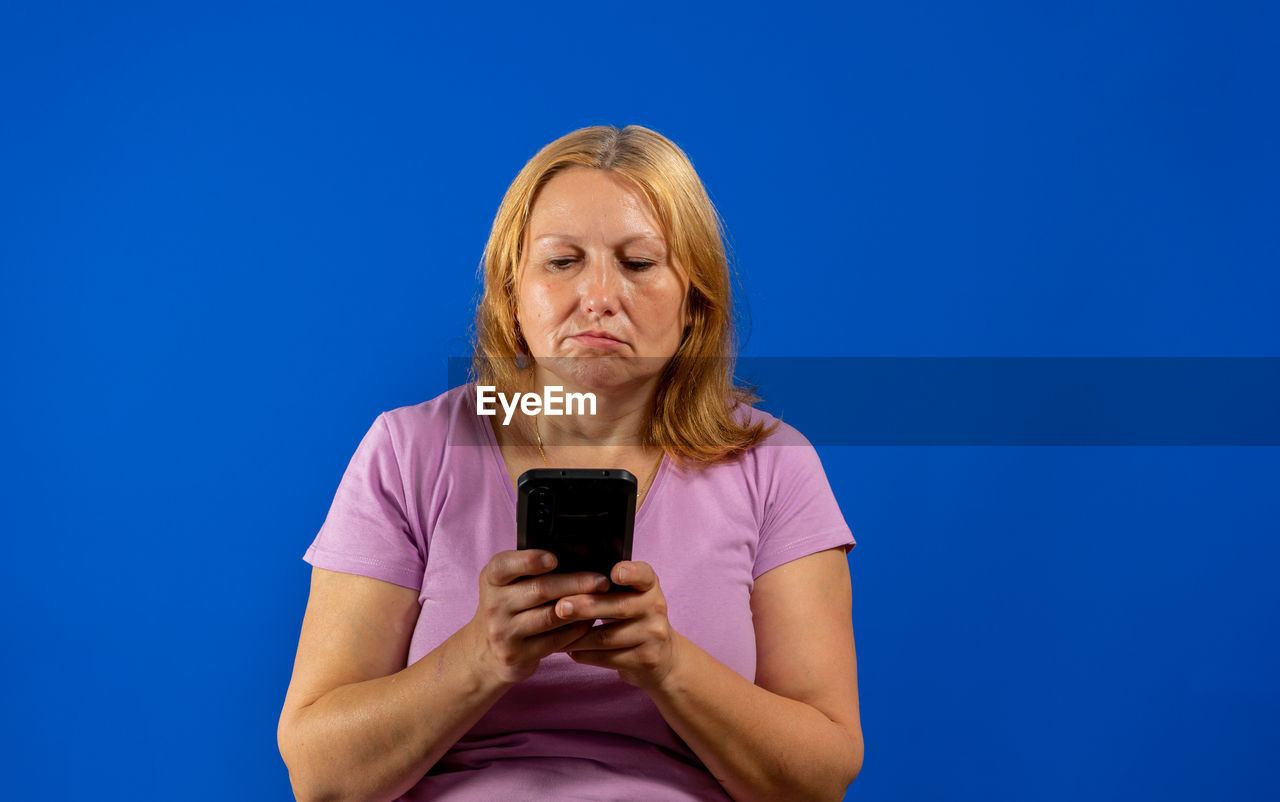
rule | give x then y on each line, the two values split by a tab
647	482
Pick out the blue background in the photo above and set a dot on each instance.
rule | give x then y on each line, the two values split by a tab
234	233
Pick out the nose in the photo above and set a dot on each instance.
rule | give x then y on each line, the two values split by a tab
600	286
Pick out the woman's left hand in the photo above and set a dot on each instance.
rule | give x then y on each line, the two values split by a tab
638	642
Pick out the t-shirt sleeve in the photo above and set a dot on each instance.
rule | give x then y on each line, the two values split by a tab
801	515
367	530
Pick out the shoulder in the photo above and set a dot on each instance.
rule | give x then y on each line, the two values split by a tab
442	437
784	466
783	456
783	450
446	419
798	511
783	434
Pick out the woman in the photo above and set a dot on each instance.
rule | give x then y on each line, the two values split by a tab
438	662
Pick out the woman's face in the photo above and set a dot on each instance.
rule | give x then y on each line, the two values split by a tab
600	300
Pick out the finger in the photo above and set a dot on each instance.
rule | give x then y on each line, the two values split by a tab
556	639
593	606
607	637
536	591
603	659
537	620
506	567
636	575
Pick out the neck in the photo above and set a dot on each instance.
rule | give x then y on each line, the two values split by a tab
621	413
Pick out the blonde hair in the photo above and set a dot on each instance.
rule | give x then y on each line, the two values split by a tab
692	418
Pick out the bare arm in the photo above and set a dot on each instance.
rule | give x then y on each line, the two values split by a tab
793	734
358	724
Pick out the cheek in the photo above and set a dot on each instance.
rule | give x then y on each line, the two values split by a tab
538	300
664	308
546	307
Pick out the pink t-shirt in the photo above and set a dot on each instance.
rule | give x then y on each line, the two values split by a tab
426	501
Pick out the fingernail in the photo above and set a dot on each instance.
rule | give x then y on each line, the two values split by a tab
548	560
566	609
603	583
622	576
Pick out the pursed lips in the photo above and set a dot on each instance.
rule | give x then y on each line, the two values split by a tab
596	337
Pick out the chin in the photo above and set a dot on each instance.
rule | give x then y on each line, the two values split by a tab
602	371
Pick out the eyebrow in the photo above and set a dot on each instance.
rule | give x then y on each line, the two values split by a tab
626	241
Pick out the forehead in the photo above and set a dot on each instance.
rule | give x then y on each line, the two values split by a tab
585	203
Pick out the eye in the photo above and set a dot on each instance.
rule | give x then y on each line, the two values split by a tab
560	264
638	265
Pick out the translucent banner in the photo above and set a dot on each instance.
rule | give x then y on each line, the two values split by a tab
1015	401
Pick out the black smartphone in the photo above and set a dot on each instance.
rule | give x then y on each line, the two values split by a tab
584	516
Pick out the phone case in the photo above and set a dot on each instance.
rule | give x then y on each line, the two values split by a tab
585	516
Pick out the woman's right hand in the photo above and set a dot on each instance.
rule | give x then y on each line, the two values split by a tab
515	624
